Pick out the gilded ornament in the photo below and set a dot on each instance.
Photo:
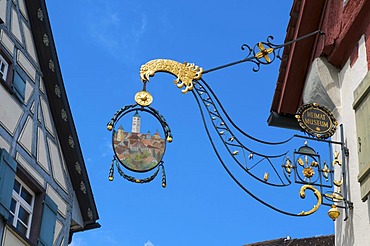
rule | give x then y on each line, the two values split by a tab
335	196
333	212
308	172
185	73
288	166
169	139
336	160
143	98
338	183
264	52
326	171
236	152
266	177
316	120
303	195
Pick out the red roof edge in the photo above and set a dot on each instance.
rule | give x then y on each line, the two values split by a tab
306	17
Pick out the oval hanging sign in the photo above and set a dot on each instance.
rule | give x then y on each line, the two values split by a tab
316	120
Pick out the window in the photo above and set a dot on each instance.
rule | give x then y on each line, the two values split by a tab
30	211
12	76
361	106
21	208
3	68
19	86
6	68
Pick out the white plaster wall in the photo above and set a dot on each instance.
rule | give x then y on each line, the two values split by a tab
15	26
30	169
58	171
26	136
11	239
62	205
334	89
356	230
6	41
26	65
322	86
3	10
58	230
10	111
4	144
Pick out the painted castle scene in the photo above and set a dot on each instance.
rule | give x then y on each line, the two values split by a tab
138	151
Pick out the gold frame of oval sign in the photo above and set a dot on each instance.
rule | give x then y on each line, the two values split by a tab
312	114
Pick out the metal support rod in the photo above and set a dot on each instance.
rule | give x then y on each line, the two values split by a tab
250	58
344	151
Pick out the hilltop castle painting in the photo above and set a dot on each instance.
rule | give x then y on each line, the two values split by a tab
137	151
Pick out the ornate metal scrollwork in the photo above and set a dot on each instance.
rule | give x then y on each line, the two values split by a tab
304	166
185	72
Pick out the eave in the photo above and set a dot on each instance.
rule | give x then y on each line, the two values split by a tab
306	17
342	25
57	97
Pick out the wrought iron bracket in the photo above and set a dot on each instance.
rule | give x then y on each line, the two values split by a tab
262	53
304	166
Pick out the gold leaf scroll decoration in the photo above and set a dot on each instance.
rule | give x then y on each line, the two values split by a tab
185	72
303	195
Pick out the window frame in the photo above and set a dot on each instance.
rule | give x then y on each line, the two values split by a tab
4	73
21	202
9	76
40	193
12	72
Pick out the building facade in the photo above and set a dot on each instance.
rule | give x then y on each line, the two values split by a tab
45	194
332	69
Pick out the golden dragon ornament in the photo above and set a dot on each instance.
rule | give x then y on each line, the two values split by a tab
185	72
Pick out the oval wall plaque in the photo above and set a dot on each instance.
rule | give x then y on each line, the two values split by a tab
316	120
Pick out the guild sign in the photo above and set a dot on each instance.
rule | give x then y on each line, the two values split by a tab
139	152
316	120
138	142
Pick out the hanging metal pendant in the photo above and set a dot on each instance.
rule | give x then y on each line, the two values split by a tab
139	138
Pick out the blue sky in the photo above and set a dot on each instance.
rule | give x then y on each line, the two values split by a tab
101	46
